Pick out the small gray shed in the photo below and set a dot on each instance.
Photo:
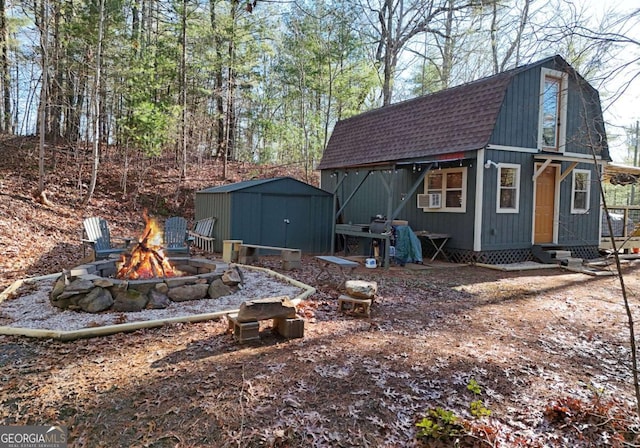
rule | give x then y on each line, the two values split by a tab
281	212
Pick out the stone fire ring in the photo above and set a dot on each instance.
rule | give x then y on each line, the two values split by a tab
199	270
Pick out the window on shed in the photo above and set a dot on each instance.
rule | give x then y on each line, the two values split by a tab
451	185
508	188
580	194
553	110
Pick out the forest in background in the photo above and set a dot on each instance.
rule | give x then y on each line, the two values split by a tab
265	81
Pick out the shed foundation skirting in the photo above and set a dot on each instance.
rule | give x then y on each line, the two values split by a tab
508	256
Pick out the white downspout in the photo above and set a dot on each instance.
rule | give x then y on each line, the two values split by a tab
477	224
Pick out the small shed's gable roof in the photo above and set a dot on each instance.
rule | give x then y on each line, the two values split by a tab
274	184
454	120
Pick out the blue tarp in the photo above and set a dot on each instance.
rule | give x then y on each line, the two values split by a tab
408	246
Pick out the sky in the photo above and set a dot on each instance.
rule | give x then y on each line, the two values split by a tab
624	111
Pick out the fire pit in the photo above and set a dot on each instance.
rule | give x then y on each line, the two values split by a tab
142	278
93	287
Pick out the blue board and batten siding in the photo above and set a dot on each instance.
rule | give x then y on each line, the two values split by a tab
371	200
517	122
281	212
512	138
507	230
517	127
579	229
499	231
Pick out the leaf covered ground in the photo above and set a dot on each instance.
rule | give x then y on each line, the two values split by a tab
464	354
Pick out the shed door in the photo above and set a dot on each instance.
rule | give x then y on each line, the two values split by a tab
545	206
285	220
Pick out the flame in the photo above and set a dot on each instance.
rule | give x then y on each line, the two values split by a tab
146	259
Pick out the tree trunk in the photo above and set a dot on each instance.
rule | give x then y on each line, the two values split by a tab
183	90
77	83
96	107
386	25
6	119
500	64
229	141
56	88
447	54
218	87
43	25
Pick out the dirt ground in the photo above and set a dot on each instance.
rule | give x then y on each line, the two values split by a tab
529	339
521	359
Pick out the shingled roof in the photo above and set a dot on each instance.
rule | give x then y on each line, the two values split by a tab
458	119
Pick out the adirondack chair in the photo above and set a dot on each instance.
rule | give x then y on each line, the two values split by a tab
176	238
202	234
96	235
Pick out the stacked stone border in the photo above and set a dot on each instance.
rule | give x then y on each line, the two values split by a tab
132	326
86	287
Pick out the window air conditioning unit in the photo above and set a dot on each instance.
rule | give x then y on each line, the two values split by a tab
431	200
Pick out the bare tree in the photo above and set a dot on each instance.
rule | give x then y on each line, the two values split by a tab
43	26
608	42
500	63
183	91
96	106
5	79
595	145
397	22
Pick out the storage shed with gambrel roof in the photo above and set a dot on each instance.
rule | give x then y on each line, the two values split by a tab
504	165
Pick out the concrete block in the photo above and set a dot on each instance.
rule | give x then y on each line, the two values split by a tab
290	265
230	250
292	255
244	331
247	255
353	305
573	262
289	327
560	254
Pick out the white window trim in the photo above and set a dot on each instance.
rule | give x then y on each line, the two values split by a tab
499	188
443	191
562	131
575	210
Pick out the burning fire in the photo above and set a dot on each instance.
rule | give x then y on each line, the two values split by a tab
146	259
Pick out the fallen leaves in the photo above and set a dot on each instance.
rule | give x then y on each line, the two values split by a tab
539	344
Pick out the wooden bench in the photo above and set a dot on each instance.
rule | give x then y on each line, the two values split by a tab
245	324
202	234
291	258
341	264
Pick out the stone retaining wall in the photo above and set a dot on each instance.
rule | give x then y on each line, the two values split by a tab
91	288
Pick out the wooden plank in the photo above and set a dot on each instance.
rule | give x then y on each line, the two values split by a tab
258	246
